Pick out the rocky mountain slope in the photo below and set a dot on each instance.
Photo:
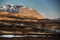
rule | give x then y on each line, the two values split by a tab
23	12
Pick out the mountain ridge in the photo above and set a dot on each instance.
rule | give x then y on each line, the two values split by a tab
24	12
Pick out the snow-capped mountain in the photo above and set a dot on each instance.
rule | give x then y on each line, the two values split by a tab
20	11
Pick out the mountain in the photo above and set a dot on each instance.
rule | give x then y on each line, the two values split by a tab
30	13
10	12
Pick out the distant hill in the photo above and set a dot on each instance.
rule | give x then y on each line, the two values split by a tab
57	18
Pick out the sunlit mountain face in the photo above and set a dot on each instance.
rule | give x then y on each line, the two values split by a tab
21	11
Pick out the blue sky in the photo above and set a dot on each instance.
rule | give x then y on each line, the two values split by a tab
48	8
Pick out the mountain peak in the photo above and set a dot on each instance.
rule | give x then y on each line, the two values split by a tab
10	8
20	11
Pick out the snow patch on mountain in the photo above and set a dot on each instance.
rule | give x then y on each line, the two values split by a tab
10	8
30	8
